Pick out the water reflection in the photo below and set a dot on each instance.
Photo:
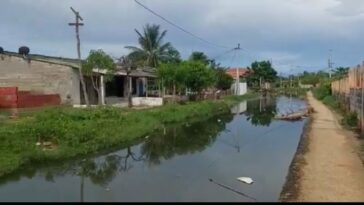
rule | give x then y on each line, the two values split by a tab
186	139
198	144
261	112
173	140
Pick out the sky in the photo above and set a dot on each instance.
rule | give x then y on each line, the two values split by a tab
295	35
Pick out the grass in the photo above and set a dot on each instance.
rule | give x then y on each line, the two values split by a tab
78	132
323	93
349	119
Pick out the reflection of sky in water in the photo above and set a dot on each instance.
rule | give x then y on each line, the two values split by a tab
178	165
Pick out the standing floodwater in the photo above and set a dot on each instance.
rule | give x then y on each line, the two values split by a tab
176	164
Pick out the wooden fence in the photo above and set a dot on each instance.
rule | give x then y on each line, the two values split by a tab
349	92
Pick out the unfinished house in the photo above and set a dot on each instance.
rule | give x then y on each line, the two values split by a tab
143	87
44	78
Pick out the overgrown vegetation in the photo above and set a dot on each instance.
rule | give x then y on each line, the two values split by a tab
323	93
77	132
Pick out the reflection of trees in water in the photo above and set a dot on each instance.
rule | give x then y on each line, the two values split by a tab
261	112
101	171
186	139
175	140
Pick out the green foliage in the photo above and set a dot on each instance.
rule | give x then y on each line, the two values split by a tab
78	132
309	78
152	50
223	80
350	119
200	57
198	75
331	101
322	91
263	70
98	59
340	72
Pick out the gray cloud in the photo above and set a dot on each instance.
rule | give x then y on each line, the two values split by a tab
290	32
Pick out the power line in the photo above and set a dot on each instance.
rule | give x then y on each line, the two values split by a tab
179	27
226	52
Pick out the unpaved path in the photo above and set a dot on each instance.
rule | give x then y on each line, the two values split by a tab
333	170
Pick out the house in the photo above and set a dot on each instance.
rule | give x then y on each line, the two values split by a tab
46	75
243	72
239	88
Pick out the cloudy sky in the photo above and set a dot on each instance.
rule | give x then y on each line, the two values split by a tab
295	34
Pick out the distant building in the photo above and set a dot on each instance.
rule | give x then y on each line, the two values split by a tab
305	86
243	72
241	89
54	75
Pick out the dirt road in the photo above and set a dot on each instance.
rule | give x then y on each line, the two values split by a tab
333	170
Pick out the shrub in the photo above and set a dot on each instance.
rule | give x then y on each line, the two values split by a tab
350	119
331	101
322	91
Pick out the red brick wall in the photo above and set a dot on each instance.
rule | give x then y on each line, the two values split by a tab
29	100
10	97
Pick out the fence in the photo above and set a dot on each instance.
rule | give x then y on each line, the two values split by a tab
349	92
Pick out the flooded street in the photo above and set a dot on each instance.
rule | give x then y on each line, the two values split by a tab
176	164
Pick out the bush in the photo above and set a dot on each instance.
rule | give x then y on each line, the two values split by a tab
322	91
331	101
350	119
76	132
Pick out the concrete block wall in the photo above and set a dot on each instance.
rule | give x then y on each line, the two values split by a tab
40	77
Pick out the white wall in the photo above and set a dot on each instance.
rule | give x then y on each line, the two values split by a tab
147	101
242	88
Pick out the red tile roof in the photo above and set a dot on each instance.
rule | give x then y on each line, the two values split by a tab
242	72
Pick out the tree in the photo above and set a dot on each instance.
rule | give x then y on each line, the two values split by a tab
152	49
309	78
197	75
223	80
127	63
341	72
98	59
199	56
263	71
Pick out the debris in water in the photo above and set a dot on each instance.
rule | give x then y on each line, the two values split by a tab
107	189
247	180
231	189
218	120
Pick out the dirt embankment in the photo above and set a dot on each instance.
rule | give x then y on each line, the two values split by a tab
327	167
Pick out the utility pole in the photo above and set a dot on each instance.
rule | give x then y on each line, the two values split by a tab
77	24
237	74
330	63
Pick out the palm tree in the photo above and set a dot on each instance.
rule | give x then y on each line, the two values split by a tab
152	50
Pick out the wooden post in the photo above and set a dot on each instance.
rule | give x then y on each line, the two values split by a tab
77	25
